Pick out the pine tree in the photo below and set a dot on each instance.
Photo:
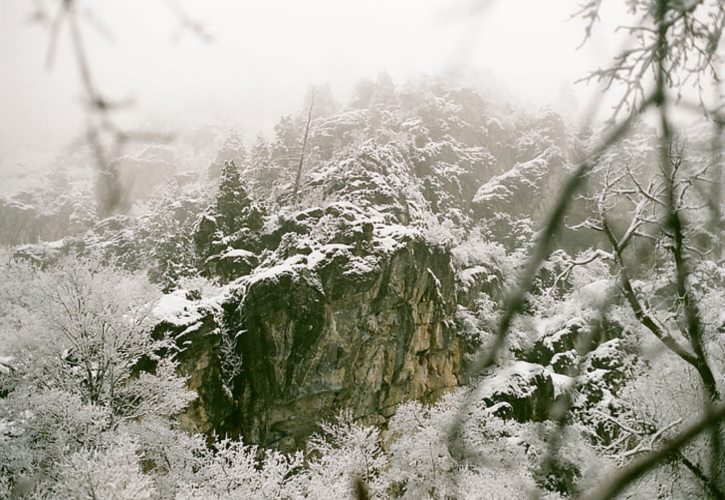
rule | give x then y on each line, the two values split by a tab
286	145
265	175
232	201
231	223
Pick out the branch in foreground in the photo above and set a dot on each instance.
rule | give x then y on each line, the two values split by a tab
639	468
542	248
540	253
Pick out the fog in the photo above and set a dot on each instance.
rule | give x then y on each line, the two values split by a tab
263	55
450	264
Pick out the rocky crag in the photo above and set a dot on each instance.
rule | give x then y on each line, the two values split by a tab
363	321
357	295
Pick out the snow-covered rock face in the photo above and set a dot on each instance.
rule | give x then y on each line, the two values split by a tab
343	304
27	221
351	325
523	391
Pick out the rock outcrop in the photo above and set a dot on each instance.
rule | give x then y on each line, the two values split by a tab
523	391
361	325
23	219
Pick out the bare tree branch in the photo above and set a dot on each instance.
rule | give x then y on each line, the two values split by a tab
629	474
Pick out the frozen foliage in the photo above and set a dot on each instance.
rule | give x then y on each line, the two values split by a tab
114	473
346	452
90	390
422	464
226	234
87	364
231	470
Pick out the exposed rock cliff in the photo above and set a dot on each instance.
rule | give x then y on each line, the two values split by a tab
361	325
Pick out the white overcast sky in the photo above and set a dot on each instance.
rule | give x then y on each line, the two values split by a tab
266	52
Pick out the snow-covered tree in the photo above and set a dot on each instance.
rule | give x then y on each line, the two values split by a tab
232	470
113	472
231	223
79	335
165	232
344	456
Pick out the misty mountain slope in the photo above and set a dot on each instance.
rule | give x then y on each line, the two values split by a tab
219	284
366	299
365	261
318	294
375	202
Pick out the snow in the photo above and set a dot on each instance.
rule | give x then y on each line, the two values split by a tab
391	237
491	192
57	244
190	329
8	428
6	364
176	309
239	253
562	383
493	409
290	266
514	380
550	341
435	279
437	283
596	377
522	175
469	277
518	380
595	294
358	266
325	253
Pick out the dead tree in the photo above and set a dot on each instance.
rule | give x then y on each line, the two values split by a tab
298	175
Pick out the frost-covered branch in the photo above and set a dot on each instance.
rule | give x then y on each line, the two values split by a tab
632	472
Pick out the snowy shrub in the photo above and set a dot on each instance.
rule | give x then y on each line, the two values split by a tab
79	335
41	428
113	473
345	452
427	462
232	470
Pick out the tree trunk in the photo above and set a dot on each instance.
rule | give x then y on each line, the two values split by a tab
298	177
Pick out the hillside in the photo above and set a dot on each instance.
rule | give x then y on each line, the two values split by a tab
307	338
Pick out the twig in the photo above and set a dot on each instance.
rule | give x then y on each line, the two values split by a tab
619	481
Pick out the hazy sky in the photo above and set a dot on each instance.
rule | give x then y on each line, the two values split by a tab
264	53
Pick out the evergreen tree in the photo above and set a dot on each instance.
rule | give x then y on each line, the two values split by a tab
165	233
285	148
363	94
232	201
231	223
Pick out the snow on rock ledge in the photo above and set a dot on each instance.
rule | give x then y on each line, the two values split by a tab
347	325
